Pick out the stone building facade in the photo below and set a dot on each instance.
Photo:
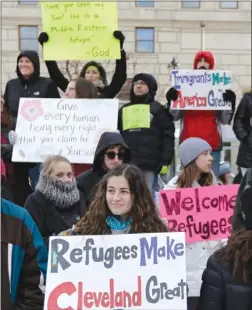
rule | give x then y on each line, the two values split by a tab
176	32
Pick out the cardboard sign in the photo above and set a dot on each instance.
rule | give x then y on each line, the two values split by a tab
80	30
201	89
136	116
67	127
135	271
203	213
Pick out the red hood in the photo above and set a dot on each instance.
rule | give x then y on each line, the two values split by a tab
208	57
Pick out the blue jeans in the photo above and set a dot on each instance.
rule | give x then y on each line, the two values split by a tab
151	180
216	162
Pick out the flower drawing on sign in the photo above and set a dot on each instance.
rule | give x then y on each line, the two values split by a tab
31	110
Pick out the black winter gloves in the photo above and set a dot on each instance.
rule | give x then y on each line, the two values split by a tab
172	94
43	37
119	36
229	95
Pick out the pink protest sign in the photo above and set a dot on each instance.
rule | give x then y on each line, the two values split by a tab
204	213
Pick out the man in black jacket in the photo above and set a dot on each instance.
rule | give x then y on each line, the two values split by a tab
148	129
243	130
111	152
28	84
237	220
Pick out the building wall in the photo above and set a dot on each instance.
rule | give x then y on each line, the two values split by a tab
177	33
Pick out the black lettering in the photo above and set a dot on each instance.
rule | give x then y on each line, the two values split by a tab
118	253
57	255
152	295
109	257
125	253
76	255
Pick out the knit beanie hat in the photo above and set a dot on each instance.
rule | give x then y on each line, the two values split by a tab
191	148
149	80
246	207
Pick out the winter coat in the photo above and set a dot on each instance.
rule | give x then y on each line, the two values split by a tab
109	91
35	87
243	130
197	253
202	124
23	260
237	220
50	219
151	147
220	291
87	180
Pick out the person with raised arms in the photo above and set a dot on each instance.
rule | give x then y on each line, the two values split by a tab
92	71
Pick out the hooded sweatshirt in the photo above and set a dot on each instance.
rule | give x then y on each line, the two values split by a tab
151	135
89	179
34	87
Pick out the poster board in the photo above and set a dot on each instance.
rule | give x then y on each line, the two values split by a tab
67	127
133	271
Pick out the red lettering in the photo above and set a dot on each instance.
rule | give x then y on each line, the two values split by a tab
172	224
64	288
105	300
173	205
231	202
88	300
203	203
187	200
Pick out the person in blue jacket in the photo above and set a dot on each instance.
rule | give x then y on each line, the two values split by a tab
23	260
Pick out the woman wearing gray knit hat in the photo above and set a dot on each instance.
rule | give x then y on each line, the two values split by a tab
196	161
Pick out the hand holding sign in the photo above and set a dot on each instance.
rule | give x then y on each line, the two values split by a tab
201	89
80	30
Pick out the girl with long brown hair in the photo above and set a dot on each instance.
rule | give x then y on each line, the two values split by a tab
122	204
196	161
227	280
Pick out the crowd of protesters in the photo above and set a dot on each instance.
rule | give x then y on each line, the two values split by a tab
115	194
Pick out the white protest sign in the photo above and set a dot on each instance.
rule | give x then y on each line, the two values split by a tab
67	127
133	271
201	89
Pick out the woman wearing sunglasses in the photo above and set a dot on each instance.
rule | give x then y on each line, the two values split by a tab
110	153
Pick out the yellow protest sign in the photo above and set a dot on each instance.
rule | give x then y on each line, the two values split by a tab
80	30
136	116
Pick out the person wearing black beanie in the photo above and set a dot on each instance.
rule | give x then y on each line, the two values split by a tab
147	128
227	280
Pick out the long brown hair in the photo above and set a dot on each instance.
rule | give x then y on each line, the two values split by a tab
188	175
238	252
145	218
85	89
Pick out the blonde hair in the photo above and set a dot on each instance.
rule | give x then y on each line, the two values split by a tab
47	166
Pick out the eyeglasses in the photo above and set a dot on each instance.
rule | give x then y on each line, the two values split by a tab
139	83
112	155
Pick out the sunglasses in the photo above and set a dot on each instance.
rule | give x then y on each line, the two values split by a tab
112	155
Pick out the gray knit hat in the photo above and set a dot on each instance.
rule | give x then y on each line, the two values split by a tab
191	148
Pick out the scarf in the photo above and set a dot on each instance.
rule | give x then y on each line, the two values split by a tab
62	194
115	223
